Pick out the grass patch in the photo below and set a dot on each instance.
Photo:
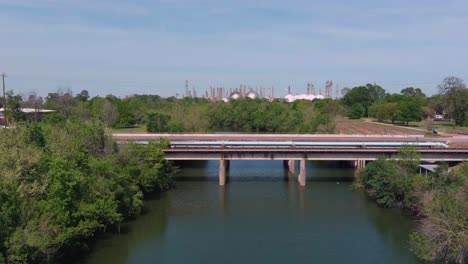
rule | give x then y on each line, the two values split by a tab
443	126
130	130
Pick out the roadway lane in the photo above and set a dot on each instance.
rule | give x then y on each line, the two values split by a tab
457	140
271	137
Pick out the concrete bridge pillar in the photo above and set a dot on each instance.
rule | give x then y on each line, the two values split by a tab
291	164
360	164
222	172
302	172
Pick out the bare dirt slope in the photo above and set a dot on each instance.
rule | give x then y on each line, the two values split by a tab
363	127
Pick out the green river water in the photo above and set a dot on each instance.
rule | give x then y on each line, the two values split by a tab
260	216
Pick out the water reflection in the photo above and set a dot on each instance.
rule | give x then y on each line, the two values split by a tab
261	216
149	229
301	192
222	198
384	222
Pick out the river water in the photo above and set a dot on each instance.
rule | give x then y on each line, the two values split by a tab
260	216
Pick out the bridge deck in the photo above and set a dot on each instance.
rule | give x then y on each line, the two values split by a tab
270	137
297	153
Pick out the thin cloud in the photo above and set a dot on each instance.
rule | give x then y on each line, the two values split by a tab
101	6
274	43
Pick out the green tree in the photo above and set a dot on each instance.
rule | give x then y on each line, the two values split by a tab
392	183
454	93
62	182
412	92
327	106
62	100
459	104
385	111
157	122
14	107
357	111
437	103
443	232
410	110
409	158
359	96
376	92
83	96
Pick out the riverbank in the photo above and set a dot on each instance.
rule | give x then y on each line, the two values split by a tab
438	200
62	182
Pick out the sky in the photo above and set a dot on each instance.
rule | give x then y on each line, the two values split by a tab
153	46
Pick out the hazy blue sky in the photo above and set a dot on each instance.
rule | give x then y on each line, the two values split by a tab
148	46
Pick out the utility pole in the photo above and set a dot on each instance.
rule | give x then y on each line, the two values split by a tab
4	102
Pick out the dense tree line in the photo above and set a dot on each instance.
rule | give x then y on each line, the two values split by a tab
194	114
201	115
276	116
63	181
410	105
439	199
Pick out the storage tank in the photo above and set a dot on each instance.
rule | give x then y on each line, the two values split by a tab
235	95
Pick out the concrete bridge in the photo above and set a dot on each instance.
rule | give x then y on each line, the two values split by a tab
267	137
357	155
291	148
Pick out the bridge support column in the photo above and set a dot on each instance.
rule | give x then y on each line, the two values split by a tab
302	172
291	164
222	172
359	164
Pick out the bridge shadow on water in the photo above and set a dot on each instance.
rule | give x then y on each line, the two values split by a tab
252	171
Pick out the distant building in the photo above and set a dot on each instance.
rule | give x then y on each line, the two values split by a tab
251	94
30	114
235	95
310	97
439	117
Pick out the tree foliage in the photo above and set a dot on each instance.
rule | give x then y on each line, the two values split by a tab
157	122
62	182
455	99
265	116
443	232
412	92
359	99
385	111
389	183
396	107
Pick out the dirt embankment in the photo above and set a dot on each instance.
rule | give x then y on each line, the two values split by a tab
362	127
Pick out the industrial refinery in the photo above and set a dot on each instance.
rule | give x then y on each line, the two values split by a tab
248	92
